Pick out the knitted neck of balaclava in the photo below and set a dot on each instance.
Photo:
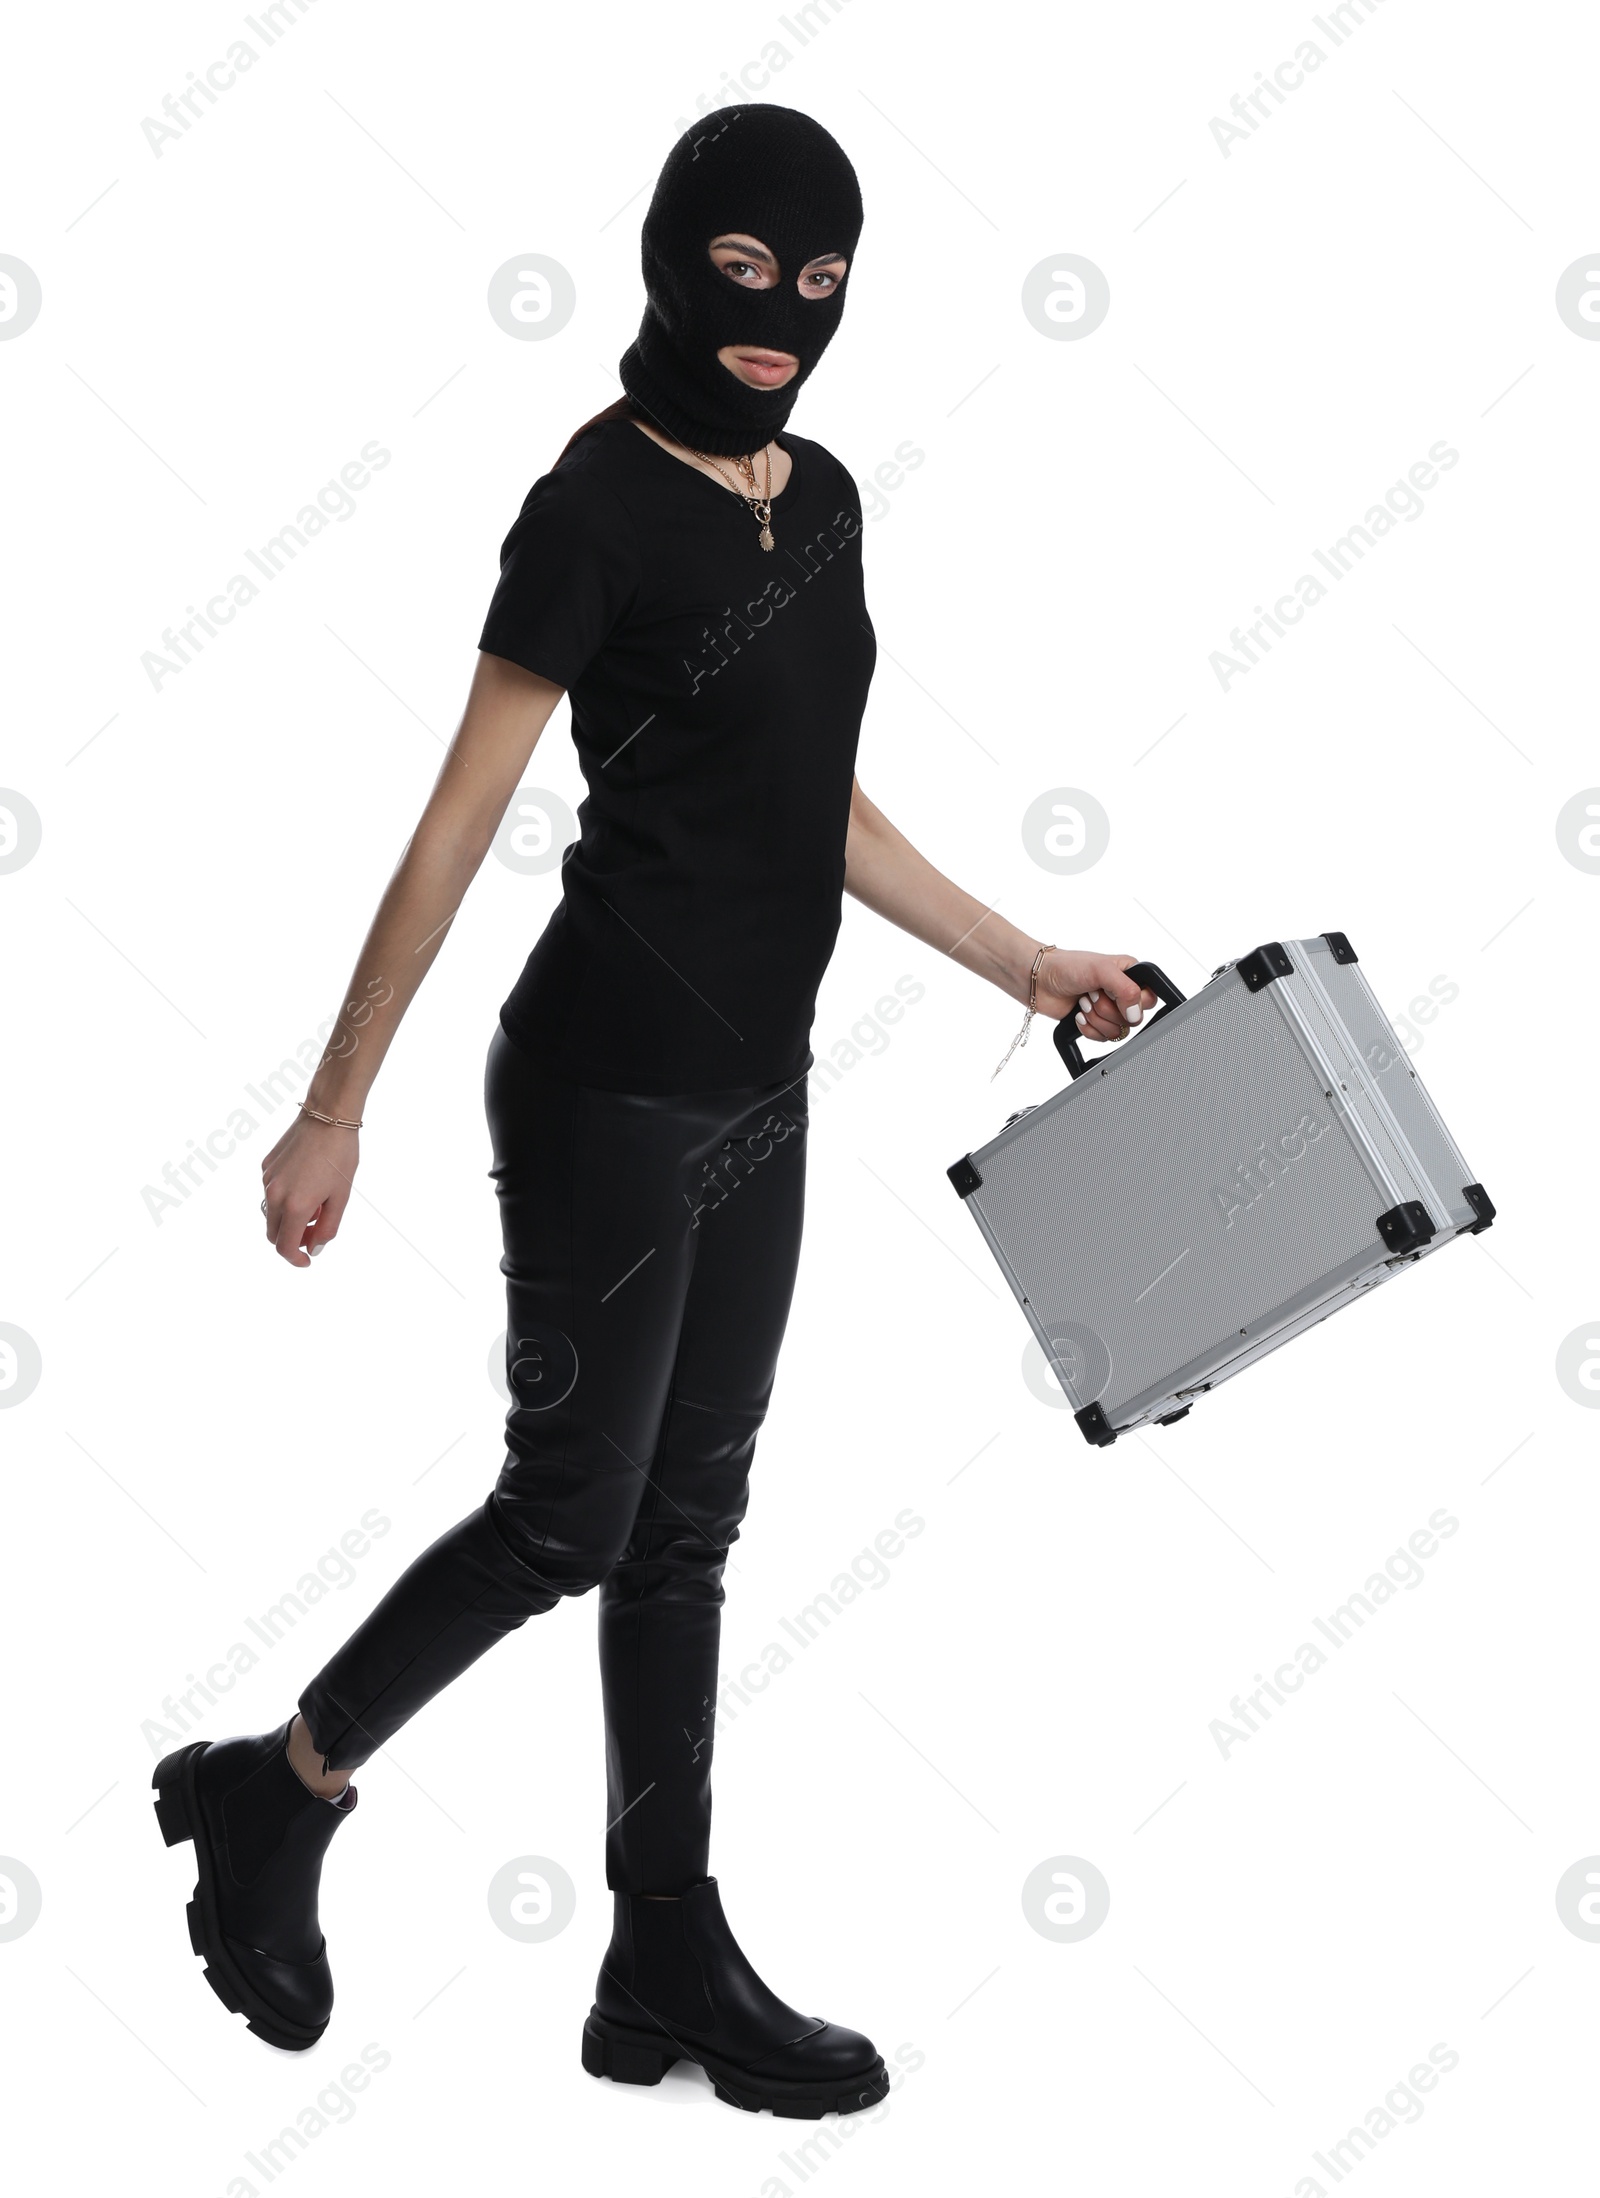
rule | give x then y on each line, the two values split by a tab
771	174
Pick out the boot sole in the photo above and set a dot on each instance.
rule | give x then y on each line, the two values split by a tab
629	2056
178	1814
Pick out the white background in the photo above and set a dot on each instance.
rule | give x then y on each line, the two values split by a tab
1291	1929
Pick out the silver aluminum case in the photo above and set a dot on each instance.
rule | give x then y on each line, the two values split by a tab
1149	1269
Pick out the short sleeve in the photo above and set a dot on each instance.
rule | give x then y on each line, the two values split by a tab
569	572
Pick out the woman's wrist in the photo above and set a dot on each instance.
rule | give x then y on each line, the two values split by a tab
343	1098
326	1118
1010	955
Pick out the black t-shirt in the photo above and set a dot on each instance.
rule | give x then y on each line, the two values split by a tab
717	690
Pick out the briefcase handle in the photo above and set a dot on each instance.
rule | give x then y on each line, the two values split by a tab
1150	979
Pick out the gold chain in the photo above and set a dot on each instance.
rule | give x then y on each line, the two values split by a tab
760	506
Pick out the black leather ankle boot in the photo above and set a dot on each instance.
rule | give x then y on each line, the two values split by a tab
259	1835
674	1986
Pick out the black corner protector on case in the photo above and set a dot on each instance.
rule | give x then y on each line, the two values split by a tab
1406	1227
1096	1427
1339	946
965	1176
1259	969
1482	1205
1182	1413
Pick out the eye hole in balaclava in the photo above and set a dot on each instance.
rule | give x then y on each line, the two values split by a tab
754	171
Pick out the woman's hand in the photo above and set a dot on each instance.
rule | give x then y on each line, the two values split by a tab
1091	989
307	1175
307	1178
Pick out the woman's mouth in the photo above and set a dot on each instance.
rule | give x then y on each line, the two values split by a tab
766	369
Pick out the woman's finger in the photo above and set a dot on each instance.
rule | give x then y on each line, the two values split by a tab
289	1239
324	1224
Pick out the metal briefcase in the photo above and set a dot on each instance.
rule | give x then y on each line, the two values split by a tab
1246	1163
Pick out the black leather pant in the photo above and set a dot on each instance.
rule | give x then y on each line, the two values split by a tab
650	1251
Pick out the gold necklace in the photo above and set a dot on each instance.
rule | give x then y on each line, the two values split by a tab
760	506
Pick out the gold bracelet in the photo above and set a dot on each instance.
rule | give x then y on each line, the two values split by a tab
1021	1038
307	1108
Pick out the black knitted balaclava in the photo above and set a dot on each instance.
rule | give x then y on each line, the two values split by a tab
756	171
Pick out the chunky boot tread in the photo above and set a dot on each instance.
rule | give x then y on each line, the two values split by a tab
643	2057
626	2061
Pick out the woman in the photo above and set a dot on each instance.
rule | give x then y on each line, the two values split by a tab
696	587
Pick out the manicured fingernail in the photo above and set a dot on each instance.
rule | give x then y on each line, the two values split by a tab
1085	1002
1079	1018
315	1248
1132	1014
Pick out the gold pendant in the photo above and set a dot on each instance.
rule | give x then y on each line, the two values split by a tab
766	538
